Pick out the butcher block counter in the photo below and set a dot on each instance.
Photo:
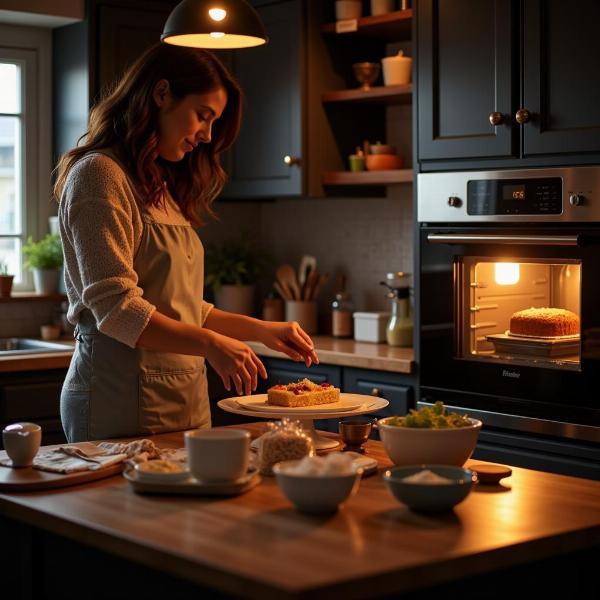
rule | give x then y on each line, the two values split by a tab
332	351
104	536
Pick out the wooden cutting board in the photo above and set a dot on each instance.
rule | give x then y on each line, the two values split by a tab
28	479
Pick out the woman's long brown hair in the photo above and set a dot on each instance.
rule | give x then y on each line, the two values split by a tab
126	120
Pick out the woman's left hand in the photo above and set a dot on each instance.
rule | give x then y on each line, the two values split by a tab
289	338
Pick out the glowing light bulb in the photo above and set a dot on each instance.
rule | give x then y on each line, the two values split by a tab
217	14
507	273
216	34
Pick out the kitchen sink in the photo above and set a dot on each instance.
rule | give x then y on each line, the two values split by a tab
16	346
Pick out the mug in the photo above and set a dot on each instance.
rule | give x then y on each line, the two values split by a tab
22	442
217	454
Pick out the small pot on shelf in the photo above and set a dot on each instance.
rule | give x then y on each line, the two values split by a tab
6	283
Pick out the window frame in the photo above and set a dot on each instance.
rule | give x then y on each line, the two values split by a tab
32	47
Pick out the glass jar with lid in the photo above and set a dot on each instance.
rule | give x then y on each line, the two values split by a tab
341	315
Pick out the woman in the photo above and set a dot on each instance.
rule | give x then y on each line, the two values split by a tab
147	172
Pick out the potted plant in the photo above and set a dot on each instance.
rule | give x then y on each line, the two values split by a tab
45	259
6	280
232	269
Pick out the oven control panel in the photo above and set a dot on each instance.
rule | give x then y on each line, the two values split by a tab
541	196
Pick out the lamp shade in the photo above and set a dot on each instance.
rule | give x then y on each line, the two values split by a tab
214	24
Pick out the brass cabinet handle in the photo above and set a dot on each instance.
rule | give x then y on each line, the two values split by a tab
523	116
496	118
375	392
290	161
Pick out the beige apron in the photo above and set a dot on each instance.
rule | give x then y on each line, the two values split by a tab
112	390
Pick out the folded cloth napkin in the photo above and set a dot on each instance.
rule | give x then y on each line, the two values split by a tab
83	456
87	456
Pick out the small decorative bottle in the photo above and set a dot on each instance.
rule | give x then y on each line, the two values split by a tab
341	315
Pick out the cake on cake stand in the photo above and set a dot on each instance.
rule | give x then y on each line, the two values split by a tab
349	405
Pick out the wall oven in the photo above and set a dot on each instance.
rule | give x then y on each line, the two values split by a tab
493	244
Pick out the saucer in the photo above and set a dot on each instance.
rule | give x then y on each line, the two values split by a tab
192	486
7	462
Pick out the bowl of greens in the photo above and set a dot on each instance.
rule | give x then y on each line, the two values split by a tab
430	435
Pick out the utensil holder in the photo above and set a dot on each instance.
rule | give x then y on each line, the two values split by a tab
303	311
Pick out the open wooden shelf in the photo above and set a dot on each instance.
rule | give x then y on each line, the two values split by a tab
367	177
391	27
387	94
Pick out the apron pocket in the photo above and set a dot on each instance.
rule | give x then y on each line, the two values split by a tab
172	401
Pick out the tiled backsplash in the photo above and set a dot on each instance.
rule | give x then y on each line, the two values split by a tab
24	318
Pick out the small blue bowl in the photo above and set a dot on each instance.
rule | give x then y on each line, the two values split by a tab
430	496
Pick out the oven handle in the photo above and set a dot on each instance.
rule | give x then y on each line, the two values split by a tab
524	240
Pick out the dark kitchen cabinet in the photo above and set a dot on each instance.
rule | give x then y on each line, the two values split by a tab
466	67
561	54
271	77
90	55
282	82
527	65
33	396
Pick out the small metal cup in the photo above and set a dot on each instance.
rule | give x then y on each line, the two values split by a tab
354	433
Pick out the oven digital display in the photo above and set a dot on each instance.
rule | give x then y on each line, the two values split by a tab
514	196
513	192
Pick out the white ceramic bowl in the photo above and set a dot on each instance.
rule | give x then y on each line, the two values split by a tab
316	493
427	496
416	446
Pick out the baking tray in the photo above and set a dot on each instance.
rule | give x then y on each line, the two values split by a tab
530	346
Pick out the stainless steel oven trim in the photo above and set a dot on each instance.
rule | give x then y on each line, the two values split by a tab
528	424
522	240
435	189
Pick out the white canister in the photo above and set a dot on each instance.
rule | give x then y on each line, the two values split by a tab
396	69
382	7
348	9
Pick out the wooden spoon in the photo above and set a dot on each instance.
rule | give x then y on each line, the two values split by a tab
287	278
319	285
311	282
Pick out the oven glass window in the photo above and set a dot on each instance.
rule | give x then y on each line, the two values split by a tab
519	312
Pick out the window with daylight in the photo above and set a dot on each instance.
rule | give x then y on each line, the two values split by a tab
18	155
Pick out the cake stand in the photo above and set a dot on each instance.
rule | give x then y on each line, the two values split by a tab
369	404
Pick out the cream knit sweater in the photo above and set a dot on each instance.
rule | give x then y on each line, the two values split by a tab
101	228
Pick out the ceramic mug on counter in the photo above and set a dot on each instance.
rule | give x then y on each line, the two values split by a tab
22	442
217	454
382	7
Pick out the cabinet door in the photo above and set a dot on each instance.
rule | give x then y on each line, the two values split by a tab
270	76
561	90
123	35
464	73
389	386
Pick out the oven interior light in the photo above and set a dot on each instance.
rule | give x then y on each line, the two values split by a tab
507	273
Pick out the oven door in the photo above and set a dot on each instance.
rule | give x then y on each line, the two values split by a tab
473	281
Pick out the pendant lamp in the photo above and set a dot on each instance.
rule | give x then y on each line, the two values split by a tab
214	24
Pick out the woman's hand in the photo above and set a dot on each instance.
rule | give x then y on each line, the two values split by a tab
235	362
289	338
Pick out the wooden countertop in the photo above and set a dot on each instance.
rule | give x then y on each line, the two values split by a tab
332	351
349	353
257	545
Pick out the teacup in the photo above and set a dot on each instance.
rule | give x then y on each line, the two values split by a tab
21	442
217	454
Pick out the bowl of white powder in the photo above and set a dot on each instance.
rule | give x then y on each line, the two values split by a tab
430	487
318	484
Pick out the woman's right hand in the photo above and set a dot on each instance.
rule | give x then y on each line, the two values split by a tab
235	362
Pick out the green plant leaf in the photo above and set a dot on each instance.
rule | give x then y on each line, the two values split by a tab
45	254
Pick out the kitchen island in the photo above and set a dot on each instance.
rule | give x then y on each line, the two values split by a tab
102	540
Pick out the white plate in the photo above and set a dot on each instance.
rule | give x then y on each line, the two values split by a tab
258	402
